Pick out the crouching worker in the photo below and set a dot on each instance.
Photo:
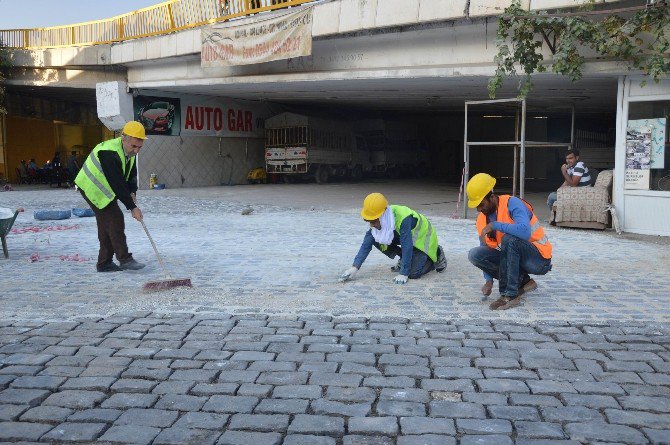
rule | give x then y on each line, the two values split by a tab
398	231
512	242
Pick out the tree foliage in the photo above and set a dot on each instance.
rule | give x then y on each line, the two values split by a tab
639	38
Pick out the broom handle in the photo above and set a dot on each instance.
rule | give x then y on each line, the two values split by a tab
158	255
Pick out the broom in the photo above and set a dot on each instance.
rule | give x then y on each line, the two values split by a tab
169	282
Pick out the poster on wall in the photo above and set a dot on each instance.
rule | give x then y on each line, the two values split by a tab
637	179
159	115
220	117
638	148
288	35
638	156
657	128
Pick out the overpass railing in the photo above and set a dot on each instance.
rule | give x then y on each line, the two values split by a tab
163	18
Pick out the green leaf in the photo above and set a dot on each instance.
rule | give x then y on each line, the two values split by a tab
641	40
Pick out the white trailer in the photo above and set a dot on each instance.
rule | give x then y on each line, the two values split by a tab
299	145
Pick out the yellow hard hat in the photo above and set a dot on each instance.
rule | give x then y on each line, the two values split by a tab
374	206
478	187
134	129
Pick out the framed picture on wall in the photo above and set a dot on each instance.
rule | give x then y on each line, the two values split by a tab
159	115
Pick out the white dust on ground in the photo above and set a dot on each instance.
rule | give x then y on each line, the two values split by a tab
283	260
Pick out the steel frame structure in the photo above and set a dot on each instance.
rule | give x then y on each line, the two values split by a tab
519	145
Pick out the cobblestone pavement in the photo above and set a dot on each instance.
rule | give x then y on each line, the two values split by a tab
280	260
268	348
258	379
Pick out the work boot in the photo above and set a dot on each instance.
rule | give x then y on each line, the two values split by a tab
396	268
499	302
503	303
441	263
511	302
108	267
528	286
131	265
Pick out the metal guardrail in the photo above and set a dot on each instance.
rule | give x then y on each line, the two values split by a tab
163	18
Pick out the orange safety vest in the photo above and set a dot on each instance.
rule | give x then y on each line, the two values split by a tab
537	236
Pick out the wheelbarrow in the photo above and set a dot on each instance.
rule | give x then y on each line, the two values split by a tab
5	226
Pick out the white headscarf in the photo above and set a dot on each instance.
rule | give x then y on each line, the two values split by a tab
385	235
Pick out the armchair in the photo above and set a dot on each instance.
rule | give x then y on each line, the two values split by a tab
585	207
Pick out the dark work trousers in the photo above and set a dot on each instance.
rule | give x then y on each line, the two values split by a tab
511	264
111	233
421	263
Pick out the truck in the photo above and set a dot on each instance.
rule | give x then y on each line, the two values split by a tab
298	145
394	146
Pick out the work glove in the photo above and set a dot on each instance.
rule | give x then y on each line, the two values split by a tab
348	274
400	279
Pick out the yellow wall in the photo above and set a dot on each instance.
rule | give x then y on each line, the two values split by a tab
79	138
40	139
28	138
3	167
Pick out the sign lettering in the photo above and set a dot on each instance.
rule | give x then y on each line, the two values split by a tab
283	37
222	117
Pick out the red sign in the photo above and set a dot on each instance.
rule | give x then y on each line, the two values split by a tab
220	118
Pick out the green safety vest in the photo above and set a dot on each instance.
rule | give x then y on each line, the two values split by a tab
424	237
91	178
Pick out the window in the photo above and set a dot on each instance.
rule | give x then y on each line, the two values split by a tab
647	119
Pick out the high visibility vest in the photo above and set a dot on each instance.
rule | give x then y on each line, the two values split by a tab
424	236
537	236
91	178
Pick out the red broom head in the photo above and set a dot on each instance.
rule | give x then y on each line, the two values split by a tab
156	286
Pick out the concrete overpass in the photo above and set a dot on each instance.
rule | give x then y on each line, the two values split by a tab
398	54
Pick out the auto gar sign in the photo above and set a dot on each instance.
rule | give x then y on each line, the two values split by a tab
208	118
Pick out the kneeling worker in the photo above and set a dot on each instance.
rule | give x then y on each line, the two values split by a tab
398	231
110	174
512	242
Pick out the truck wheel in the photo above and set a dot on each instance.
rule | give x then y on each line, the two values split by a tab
321	175
287	179
357	173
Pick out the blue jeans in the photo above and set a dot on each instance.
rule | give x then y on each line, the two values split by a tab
551	199
511	264
421	264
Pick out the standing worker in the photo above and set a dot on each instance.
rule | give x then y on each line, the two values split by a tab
512	242
72	166
110	173
398	231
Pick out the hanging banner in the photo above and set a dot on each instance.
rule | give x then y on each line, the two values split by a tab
202	116
283	37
